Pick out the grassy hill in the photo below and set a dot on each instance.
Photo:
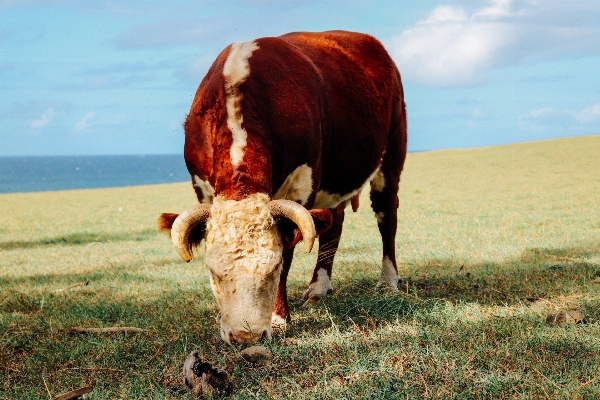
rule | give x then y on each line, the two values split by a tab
490	241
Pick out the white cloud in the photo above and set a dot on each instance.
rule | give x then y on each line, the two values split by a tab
498	9
555	122
44	120
589	114
85	122
454	47
91	119
545	113
451	48
546	121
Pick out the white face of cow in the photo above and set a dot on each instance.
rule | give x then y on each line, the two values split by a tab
244	258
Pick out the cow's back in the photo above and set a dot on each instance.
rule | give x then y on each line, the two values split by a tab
326	100
363	100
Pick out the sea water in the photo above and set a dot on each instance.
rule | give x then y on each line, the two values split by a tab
37	174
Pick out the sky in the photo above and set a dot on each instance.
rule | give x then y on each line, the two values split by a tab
95	77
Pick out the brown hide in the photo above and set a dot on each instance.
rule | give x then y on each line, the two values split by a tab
165	222
364	98
329	100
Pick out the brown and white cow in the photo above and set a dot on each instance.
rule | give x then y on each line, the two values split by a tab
282	134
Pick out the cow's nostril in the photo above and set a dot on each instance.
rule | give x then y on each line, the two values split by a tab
264	335
245	337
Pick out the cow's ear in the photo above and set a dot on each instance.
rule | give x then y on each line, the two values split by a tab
165	223
197	235
291	235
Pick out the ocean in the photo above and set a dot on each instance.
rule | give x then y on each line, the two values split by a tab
38	174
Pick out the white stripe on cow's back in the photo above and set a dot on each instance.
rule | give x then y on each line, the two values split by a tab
235	71
208	193
297	186
237	68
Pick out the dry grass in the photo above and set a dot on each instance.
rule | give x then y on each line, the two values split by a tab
481	231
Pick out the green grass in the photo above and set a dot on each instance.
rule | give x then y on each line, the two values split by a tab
480	230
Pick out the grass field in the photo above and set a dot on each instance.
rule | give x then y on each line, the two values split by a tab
480	231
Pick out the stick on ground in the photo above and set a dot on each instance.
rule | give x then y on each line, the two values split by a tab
78	329
72	286
74	394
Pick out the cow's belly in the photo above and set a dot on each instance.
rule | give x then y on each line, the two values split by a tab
329	199
298	187
324	199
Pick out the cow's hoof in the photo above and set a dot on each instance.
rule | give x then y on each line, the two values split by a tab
313	296
278	322
389	276
318	289
393	286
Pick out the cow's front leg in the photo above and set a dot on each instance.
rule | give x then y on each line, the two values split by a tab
281	311
320	284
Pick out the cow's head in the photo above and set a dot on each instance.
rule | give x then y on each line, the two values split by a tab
244	256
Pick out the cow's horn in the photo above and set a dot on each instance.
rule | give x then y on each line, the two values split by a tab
297	214
183	225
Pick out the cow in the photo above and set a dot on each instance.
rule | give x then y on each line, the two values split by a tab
283	133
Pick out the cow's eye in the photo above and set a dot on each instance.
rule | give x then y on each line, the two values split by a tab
216	276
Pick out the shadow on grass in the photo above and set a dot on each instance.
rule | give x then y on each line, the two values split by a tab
79	239
178	321
125	273
39	343
536	274
561	254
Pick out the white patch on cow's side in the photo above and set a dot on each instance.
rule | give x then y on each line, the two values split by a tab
235	71
379	217
388	276
378	181
318	288
297	186
244	258
324	199
208	193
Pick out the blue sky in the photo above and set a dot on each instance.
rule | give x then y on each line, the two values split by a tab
118	77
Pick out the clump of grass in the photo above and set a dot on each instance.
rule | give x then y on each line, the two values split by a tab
490	242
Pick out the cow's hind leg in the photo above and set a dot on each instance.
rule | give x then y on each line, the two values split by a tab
384	200
320	284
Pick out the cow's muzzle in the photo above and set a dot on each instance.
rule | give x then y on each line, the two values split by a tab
245	337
